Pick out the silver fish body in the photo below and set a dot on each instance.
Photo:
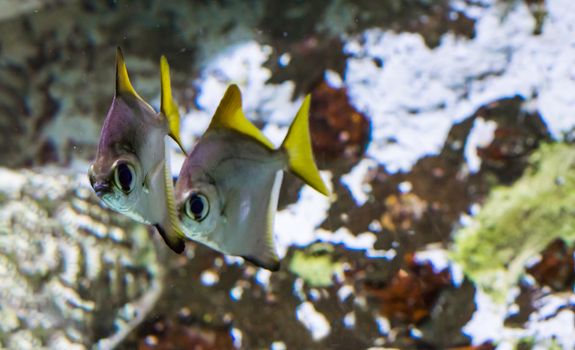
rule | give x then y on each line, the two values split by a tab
240	179
228	187
131	129
131	171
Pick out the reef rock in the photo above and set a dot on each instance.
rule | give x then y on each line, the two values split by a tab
72	274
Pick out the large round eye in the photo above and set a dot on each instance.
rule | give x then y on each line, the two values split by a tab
125	177
197	207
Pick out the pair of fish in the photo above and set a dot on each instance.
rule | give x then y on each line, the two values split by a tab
227	191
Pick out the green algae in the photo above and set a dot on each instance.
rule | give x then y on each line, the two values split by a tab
315	265
517	222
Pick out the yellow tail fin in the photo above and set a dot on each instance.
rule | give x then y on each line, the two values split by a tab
169	107
297	144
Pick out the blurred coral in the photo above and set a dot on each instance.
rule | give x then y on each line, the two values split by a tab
556	269
402	211
411	293
340	133
517	135
172	335
483	346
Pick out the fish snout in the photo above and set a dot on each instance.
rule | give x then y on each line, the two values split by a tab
101	188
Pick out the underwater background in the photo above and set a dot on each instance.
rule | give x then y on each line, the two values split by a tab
445	130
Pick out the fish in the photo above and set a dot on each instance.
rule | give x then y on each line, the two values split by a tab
131	172
228	187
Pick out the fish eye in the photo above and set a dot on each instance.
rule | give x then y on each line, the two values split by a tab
124	177
197	207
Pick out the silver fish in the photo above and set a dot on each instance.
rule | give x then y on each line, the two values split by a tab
131	172
228	187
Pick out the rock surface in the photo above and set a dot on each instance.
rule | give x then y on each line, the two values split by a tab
72	273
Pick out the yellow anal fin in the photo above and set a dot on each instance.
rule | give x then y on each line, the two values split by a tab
229	115
272	264
176	244
169	108
297	144
172	231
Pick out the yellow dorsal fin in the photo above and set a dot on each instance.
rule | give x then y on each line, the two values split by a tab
169	108
229	115
123	85
297	144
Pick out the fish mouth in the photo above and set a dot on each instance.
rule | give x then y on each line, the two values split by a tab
101	189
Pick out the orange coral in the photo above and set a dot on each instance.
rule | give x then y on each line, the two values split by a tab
556	268
411	293
338	130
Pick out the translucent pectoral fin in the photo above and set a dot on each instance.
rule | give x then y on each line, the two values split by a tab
263	250
157	170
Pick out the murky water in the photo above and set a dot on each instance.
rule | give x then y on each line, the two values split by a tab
443	130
